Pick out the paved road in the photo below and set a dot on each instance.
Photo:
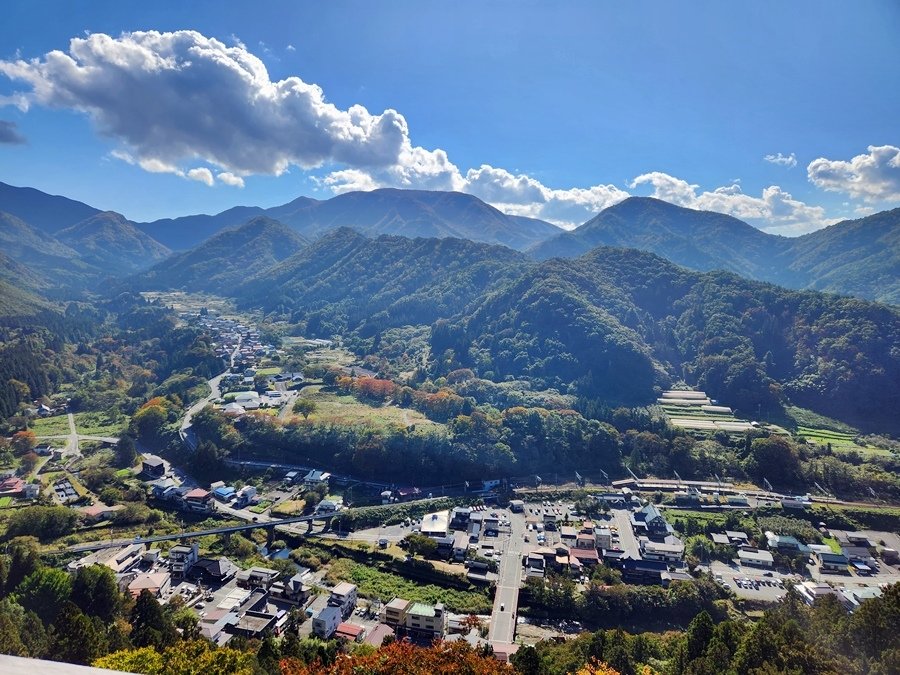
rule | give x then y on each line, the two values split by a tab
503	621
627	540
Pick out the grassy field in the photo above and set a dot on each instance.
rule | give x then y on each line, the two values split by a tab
5	501
271	370
346	410
58	425
373	583
840	441
291	507
99	424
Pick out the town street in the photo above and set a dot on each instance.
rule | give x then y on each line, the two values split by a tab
503	621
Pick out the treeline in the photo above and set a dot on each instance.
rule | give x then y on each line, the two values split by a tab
790	638
485	443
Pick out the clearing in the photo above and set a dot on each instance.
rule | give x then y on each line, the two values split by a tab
345	409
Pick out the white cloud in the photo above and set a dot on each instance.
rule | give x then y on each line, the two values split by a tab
229	178
182	99
775	210
201	175
291	48
874	176
182	96
790	161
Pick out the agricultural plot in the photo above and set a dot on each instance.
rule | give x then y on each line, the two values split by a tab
57	425
346	410
840	441
695	411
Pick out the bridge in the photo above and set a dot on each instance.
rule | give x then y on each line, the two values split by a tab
225	531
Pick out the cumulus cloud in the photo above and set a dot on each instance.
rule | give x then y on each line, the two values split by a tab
774	210
203	110
790	161
201	175
874	176
182	96
9	133
230	179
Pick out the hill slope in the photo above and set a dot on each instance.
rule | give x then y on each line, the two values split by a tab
701	240
857	257
181	234
227	259
109	242
47	213
854	257
346	281
414	213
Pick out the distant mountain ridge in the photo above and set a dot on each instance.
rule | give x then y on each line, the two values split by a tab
854	257
110	242
409	213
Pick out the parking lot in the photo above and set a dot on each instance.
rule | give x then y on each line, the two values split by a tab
749	582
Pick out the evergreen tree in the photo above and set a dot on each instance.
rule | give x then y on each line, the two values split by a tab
150	627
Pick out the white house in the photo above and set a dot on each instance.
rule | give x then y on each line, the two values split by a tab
325	623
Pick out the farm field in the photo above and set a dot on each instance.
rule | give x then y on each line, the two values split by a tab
58	425
345	409
99	424
840	441
693	410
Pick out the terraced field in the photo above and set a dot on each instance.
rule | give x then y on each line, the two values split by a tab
693	410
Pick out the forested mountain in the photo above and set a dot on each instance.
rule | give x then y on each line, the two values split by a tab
227	259
346	281
43	254
410	213
857	257
20	275
611	325
854	257
414	213
180	234
701	240
612	320
111	243
47	213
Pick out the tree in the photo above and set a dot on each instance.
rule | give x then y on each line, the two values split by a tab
419	544
699	634
96	593
24	558
44	591
126	451
305	407
526	660
24	441
150	627
76	639
44	522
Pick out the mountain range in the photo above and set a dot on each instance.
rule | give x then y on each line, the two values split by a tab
68	243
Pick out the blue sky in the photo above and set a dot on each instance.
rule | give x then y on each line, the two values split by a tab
554	110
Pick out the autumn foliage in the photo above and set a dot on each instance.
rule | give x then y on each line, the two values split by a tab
402	658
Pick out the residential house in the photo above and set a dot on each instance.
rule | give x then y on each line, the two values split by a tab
460	546
785	544
603	538
219	570
255	624
292	590
642	571
568	535
377	635
245	496
291	477
831	562
119	560
650	520
97	512
153	467
585	541
583	557
737	538
224	493
327	506
811	591
349	632
197	500
12	486
325	623
315	478
394	613
256	577
754	557
425	623
157	583
343	596
669	551
182	558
